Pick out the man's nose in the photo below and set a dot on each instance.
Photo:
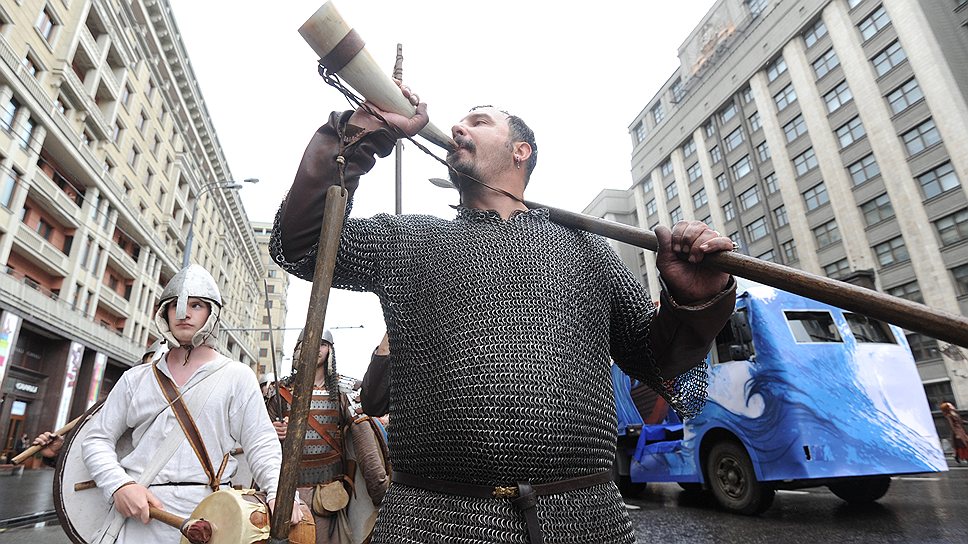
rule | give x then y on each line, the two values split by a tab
458	129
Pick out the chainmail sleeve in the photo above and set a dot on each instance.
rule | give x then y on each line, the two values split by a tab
631	343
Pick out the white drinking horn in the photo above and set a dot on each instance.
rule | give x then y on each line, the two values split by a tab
342	51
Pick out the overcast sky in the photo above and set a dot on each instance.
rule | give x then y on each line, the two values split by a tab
577	73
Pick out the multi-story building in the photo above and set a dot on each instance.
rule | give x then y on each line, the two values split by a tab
271	334
106	153
823	135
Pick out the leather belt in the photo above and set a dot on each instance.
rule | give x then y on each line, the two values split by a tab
523	495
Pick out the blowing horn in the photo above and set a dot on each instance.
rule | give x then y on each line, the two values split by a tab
342	51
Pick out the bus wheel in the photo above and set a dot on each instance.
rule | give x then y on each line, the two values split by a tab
861	490
733	482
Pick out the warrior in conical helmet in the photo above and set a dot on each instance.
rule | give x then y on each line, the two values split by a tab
223	402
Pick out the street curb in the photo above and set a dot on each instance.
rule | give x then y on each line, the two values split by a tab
28	519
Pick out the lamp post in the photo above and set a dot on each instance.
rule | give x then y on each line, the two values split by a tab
229	184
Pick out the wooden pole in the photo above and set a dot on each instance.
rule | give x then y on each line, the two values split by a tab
27	453
945	326
329	236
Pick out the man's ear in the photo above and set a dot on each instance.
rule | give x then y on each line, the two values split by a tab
522	151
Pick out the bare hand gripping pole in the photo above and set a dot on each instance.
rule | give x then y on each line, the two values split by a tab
325	31
292	448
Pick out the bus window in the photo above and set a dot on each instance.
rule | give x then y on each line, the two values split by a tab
870	330
735	341
812	327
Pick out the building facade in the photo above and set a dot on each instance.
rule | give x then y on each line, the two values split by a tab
106	154
822	135
271	334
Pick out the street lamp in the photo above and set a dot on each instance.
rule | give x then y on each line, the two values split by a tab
228	184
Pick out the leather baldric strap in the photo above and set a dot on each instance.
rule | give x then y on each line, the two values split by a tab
343	53
187	424
524	495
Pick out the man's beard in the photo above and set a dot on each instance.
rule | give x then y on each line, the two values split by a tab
462	170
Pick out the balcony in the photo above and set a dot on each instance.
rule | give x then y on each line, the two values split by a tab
128	266
54	200
114	302
40	251
110	81
87	40
96	120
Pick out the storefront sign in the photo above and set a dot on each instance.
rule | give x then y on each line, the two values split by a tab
9	327
97	378
73	367
26	387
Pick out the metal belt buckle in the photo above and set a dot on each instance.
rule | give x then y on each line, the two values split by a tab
505	492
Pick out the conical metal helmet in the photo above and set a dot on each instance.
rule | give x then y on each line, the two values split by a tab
191	281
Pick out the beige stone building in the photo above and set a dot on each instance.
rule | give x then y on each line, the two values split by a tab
106	152
822	135
277	288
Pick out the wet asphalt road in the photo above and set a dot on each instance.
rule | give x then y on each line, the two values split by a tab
930	509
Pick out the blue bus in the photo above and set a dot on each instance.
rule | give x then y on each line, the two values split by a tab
801	394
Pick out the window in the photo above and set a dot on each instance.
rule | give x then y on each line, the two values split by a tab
125	97
273	273
763	152
749	198
709	129
722	183
839	96
864	169
789	249
666	168
939	180
891	251
8	113
741	167
757	6
785	97
904	96
960	274
734	138
30	65
133	155
755	123
142	121
816	32
910	291
715	155
771	183
699	199
850	132
874	23
809	327
757	229
265	320
815	196
795	128
888	58
45	24
7	187
780	215
770	255
44	229
775	69
676	215
671	191
116	132
921	137
694	172
264	336
877	209
647	185
689	148
837	269
263	352
869	330
827	62
678	91
827	234
729	211
727	113
924	348
853	3
639	132
953	228
805	162
747	95
651	207
658	113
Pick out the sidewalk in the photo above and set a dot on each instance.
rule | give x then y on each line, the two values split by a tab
27	497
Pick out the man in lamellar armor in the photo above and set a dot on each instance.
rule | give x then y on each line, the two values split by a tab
501	326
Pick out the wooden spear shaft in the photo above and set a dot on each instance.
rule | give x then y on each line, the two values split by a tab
329	235
945	326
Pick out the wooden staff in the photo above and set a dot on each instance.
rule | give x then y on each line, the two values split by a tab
329	235
27	453
939	324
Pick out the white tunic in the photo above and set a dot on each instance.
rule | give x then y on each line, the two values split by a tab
234	414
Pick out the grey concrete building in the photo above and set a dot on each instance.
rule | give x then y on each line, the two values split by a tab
277	289
823	135
107	158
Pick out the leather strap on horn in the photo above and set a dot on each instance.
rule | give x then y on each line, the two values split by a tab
343	53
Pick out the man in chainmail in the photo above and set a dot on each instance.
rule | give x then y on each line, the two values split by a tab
501	325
